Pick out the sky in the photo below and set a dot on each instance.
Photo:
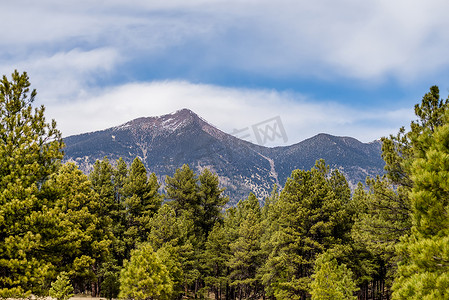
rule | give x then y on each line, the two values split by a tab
343	67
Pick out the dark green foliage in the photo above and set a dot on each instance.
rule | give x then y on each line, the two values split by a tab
142	201
424	270
175	238
110	273
246	249
30	150
211	200
196	201
79	234
382	216
310	217
388	210
182	191
141	191
101	178
216	256
120	175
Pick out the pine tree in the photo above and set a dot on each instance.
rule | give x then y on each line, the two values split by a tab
216	256
109	215
120	175
182	191
101	178
331	281
200	199
110	274
269	215
389	207
142	201
424	270
246	249
382	216
79	234
144	276
211	200
171	257
119	249
311	218
176	237
30	149
61	289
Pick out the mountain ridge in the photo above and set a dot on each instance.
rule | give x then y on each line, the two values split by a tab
166	142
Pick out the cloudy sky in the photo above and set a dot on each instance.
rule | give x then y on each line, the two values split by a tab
347	67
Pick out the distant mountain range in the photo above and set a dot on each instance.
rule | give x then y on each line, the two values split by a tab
167	142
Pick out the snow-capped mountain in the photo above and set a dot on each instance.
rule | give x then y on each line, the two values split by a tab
167	142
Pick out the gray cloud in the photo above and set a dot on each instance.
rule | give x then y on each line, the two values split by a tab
360	40
227	108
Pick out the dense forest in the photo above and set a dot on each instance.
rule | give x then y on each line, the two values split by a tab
113	234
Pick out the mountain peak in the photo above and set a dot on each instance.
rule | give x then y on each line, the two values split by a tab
183	113
166	142
167	123
176	120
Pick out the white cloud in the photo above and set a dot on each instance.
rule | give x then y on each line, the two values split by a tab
226	108
360	40
65	75
393	37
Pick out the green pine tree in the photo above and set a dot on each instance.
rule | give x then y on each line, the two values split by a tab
424	270
182	191
61	289
311	217
211	199
77	231
101	178
144	276
216	256
120	175
175	235
330	280
246	249
30	149
388	208
142	201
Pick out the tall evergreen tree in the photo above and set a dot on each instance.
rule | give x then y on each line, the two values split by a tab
211	200
30	149
246	249
108	213
144	276
120	175
311	218
175	237
331	281
142	201
78	231
200	199
101	178
389	209
216	256
182	191
424	270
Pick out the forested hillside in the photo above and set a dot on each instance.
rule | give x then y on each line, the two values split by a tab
112	234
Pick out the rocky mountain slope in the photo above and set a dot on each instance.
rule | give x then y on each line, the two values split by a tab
167	142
